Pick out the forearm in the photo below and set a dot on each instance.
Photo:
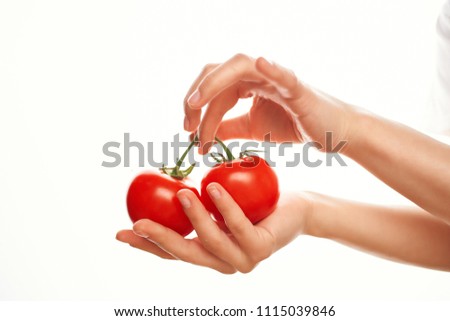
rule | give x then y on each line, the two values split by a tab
408	235
412	163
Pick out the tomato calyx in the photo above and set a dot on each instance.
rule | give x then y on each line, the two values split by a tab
249	153
176	172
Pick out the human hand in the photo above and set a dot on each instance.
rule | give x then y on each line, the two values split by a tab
237	246
282	106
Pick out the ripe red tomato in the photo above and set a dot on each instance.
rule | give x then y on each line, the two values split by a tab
152	195
251	182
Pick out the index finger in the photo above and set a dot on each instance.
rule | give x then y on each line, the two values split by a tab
211	236
238	68
192	116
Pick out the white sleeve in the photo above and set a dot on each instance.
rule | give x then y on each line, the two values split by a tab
441	85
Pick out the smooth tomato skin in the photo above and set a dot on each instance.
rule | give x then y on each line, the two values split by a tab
152	195
251	182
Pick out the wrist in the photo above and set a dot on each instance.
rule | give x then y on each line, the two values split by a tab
343	120
318	221
311	226
360	126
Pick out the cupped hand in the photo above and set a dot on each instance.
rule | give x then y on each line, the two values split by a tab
283	107
237	246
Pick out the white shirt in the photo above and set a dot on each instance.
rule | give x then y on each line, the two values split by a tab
441	86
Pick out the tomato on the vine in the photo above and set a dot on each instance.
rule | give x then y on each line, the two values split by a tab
152	196
251	182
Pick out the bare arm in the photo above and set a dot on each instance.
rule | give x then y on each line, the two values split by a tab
404	234
412	163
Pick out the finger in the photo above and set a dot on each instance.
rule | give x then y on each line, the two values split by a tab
213	116
218	107
238	68
223	227
235	128
284	79
212	237
128	236
238	224
179	247
192	116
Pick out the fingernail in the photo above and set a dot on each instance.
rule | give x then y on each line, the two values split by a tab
140	233
186	123
195	97
206	147
185	202
119	236
213	192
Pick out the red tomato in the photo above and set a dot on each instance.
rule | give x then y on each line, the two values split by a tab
152	195
251	182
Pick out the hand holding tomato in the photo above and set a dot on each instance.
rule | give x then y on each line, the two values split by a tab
250	181
239	247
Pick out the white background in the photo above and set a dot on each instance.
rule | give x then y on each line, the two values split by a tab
75	75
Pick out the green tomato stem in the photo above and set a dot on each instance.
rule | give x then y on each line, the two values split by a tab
180	161
177	172
230	156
